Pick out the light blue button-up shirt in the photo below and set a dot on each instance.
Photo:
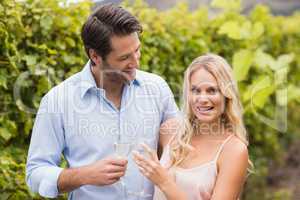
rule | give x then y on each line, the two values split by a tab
77	120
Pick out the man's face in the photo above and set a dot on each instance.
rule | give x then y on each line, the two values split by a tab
121	63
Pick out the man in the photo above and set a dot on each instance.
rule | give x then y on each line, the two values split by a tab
109	101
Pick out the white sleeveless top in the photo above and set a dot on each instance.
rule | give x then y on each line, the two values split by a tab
197	182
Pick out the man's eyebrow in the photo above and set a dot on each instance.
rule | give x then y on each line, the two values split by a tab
124	55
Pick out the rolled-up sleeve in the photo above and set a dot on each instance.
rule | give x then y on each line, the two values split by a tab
46	145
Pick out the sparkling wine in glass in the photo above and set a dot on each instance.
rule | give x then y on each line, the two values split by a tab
142	193
122	150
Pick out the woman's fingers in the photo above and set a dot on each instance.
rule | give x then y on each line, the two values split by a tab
144	172
137	156
149	167
152	154
140	160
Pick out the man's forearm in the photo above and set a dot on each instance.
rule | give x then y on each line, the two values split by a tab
72	178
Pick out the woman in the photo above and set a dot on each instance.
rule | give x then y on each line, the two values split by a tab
205	152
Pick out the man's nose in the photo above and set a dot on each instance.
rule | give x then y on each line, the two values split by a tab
135	61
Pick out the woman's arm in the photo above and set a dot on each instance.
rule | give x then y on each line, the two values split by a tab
232	167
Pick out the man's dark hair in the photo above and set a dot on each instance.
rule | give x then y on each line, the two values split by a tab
106	21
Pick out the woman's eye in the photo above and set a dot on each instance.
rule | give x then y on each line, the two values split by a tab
195	91
212	91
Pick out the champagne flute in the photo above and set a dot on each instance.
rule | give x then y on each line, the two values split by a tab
122	150
142	193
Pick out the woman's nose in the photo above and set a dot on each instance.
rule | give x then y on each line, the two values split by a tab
202	98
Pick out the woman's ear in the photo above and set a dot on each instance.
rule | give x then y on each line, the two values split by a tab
95	58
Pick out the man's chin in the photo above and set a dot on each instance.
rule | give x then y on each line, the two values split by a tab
130	76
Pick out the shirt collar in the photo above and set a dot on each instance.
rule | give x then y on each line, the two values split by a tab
137	81
88	81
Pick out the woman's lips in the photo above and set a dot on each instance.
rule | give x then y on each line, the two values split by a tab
204	110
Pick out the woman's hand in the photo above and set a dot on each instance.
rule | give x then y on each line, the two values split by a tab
204	195
151	168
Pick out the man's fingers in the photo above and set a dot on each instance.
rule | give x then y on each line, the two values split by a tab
116	168
118	162
116	175
112	181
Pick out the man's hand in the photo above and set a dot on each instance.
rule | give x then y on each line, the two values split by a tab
100	173
106	171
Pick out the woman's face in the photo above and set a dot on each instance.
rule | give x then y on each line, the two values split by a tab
205	98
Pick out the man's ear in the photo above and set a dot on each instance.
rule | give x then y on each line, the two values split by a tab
95	57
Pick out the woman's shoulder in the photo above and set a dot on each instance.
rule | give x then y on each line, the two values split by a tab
234	150
235	146
168	130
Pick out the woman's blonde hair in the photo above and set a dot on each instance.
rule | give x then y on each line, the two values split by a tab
232	116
